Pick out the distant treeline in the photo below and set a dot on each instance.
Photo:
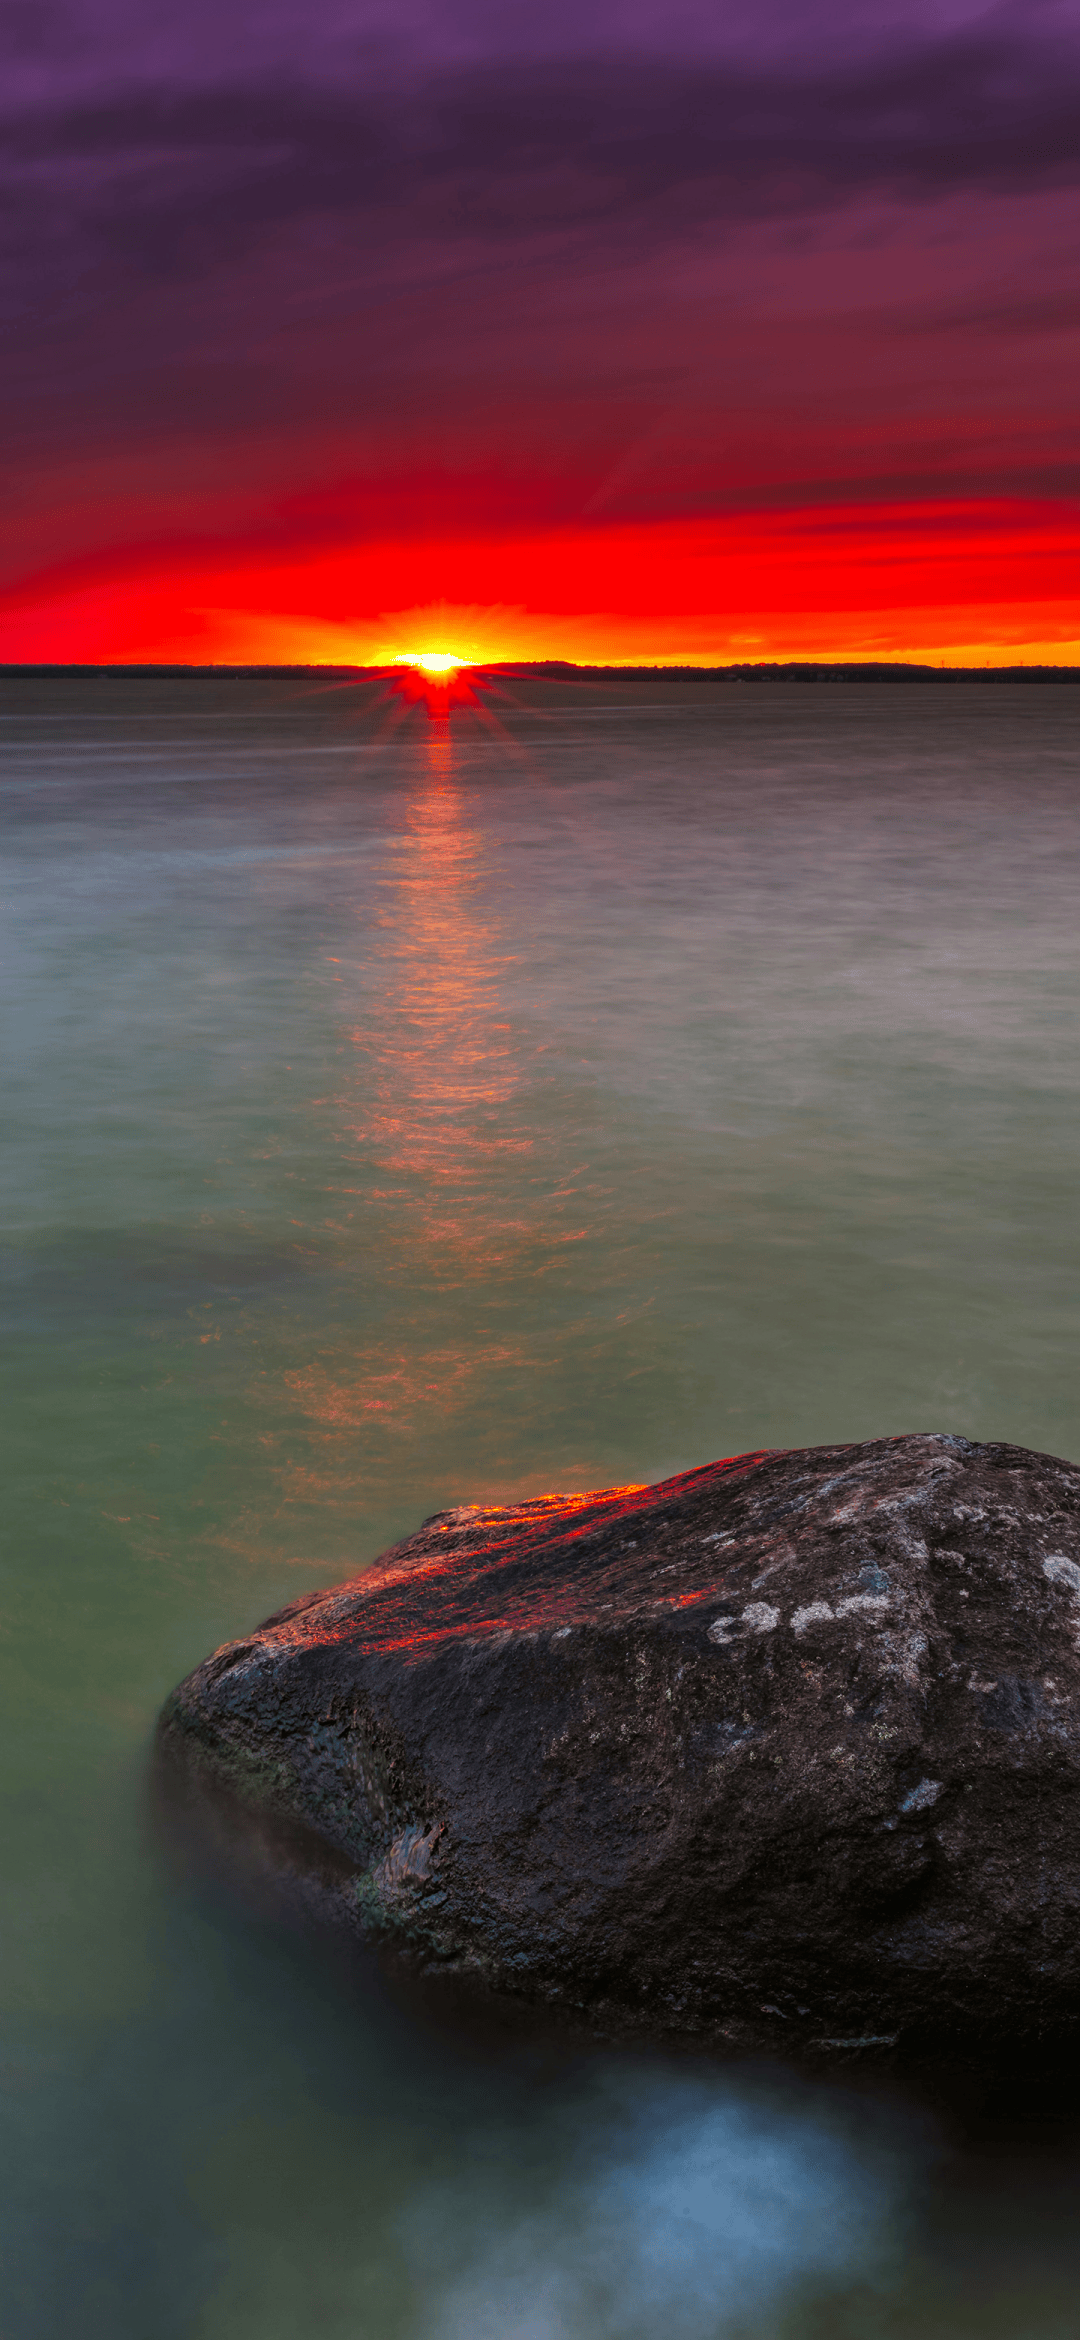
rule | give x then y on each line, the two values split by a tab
807	670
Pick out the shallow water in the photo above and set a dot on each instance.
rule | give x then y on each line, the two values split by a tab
400	1112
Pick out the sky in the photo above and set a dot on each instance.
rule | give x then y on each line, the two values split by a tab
623	330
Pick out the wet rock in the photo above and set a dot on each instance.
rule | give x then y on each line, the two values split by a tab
783	1752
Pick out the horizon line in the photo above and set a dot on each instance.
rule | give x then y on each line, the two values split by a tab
551	667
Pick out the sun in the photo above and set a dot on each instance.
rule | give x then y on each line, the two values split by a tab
437	661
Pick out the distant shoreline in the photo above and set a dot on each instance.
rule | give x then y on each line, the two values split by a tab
791	670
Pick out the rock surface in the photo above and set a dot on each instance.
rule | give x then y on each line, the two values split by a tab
782	1753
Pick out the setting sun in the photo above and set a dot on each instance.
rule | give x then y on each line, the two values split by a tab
437	661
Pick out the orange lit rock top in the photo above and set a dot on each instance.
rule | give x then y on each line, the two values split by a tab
553	1561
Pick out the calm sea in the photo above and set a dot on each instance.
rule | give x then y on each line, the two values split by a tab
403	1111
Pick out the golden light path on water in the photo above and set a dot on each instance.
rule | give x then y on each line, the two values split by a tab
430	1107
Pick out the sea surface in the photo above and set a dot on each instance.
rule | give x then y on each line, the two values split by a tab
404	1108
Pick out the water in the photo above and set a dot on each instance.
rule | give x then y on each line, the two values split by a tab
401	1112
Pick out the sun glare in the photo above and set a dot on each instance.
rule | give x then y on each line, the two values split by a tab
437	661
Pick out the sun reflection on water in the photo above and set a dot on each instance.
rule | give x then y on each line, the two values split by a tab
440	750
450	1067
435	1116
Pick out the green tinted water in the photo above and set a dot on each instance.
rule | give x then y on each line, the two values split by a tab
401	1112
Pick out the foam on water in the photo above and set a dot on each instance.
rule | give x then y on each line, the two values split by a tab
681	2206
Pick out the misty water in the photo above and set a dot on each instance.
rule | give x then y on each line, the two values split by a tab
401	1111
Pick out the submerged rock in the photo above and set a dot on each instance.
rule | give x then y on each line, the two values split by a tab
783	1752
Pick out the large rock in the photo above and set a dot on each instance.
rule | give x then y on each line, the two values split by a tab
782	1752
